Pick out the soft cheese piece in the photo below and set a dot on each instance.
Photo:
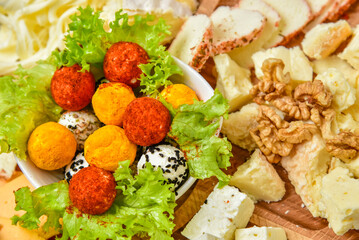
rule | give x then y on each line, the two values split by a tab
344	95
261	233
237	126
340	198
296	63
322	65
7	165
243	55
325	38
351	51
193	43
233	81
234	27
306	166
225	210
295	14
258	178
353	165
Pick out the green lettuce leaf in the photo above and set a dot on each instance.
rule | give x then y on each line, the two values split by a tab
144	206
25	103
193	128
87	43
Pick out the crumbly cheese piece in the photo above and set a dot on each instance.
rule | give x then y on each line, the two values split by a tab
243	55
226	209
321	65
345	122
306	166
325	38
234	27
351	52
295	14
7	165
296	63
193	43
344	95
238	124
340	198
258	178
353	165
233	81
261	233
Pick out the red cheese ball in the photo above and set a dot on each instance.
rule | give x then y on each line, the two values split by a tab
72	90
121	63
92	190
146	121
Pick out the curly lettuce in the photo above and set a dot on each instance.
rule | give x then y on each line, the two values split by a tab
193	128
144	207
25	102
87	42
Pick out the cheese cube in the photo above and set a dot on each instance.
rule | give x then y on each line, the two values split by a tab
237	126
344	95
325	38
295	63
258	178
351	52
340	197
225	210
261	233
306	166
233	81
7	164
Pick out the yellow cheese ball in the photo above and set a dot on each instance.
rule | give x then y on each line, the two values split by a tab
110	101
178	94
51	146
107	146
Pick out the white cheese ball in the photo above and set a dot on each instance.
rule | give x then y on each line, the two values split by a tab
78	163
81	123
170	159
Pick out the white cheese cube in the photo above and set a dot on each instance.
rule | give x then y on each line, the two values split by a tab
325	38
233	81
295	63
340	197
351	52
237	126
261	233
226	209
344	95
258	178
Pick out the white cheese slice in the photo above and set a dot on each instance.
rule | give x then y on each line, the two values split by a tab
258	178
225	210
261	233
340	197
233	81
7	165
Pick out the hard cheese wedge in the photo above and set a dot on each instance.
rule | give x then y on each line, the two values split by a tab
261	233
225	210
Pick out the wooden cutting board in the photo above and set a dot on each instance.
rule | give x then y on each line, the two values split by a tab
289	213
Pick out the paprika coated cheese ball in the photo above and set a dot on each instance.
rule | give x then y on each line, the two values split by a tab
146	121
110	101
71	89
92	190
107	146
179	94
51	146
121	63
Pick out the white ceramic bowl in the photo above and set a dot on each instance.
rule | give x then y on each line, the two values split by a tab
191	78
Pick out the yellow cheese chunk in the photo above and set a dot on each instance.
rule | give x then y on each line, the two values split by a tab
9	231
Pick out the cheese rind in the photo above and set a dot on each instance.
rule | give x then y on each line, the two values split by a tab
340	198
226	209
258	178
261	233
233	81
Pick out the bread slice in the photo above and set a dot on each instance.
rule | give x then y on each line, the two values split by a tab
295	13
243	55
234	27
325	38
193	43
